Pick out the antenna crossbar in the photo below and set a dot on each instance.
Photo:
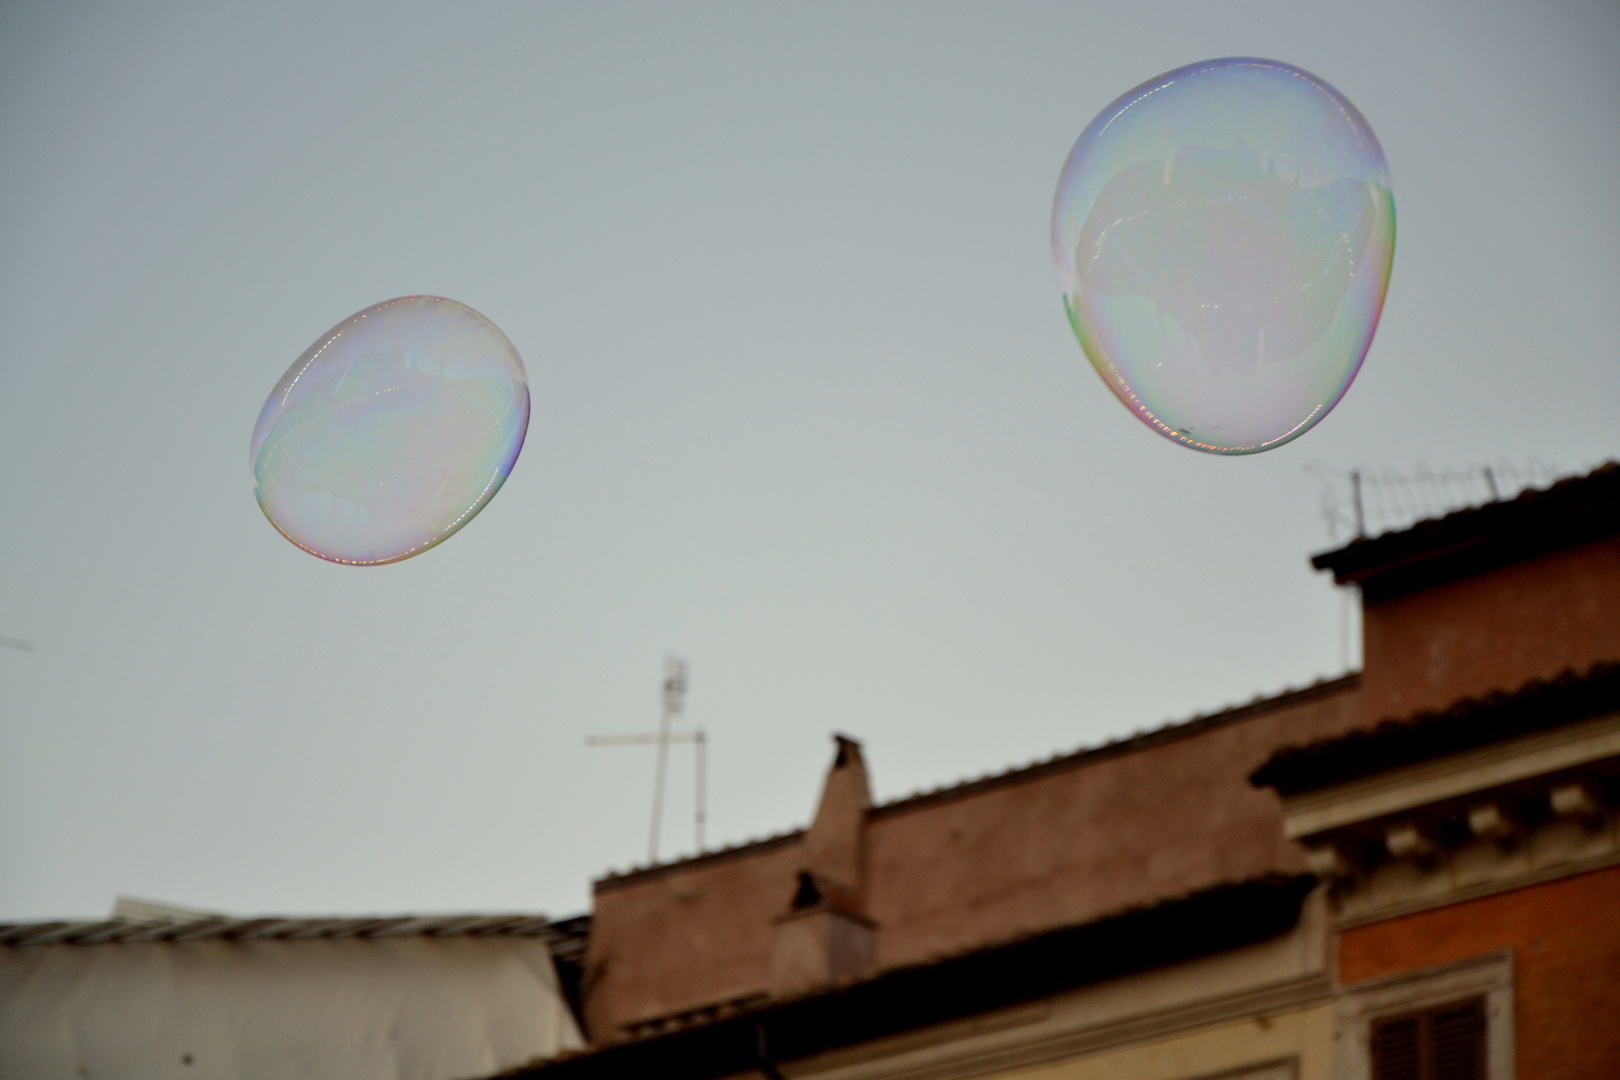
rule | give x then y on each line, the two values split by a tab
674	702
643	740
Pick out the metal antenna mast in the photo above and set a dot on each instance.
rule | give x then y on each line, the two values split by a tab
698	740
674	704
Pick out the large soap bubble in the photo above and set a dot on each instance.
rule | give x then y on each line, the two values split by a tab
391	432
1223	237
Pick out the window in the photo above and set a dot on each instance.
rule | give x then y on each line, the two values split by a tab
1447	1023
1446	1042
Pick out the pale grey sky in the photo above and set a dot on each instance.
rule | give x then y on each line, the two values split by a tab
806	411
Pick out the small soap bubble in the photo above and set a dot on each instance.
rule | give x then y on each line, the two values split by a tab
391	432
1223	236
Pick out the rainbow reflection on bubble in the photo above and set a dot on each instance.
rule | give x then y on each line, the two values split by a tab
391	432
1223	237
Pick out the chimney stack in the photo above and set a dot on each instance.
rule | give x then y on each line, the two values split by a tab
825	937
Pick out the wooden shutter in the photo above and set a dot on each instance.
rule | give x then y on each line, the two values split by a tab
1443	1043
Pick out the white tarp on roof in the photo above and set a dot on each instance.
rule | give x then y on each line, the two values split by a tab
350	1008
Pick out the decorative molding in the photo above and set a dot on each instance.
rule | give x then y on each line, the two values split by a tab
1488	821
1362	916
1451	777
1577	801
1489	976
1465	825
1409	840
1281	1069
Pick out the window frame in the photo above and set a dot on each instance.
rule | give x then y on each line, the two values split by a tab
1358	1007
1424	1025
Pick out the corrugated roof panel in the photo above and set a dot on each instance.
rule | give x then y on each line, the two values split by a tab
120	931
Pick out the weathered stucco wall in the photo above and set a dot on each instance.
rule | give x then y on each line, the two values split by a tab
695	936
948	875
1492	631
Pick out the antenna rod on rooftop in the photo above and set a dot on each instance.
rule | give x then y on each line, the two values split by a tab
674	702
699	741
701	813
674	707
1355	490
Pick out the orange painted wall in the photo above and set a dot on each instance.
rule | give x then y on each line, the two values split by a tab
1565	937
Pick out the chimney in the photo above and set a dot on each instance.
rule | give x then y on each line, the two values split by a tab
825	937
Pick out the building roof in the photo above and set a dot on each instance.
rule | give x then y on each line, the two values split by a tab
1057	844
922	995
1536	706
1572	511
563	936
1169	732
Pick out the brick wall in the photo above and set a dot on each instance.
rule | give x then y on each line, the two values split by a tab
1565	937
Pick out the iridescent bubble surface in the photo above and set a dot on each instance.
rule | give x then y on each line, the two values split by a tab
391	432
1223	237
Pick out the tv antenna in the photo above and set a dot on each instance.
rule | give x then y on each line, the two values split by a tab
674	698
